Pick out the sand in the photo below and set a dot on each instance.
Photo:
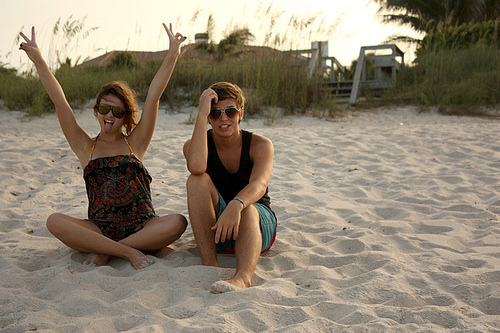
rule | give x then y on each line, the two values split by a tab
388	221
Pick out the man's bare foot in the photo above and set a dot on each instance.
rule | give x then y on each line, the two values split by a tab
220	287
97	260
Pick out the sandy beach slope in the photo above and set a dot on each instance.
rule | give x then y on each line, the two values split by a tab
389	221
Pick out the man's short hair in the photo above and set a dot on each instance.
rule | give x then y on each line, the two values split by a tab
226	90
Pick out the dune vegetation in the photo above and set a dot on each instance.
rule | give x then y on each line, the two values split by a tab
457	67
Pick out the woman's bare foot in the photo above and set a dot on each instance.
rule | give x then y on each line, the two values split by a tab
136	258
139	260
97	260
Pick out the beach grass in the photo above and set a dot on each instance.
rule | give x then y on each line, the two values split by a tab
461	79
453	80
449	79
266	82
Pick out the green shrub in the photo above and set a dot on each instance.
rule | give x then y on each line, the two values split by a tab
124	59
450	78
461	37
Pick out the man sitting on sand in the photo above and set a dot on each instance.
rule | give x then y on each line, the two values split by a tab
228	201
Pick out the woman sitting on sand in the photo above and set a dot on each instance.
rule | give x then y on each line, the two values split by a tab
121	219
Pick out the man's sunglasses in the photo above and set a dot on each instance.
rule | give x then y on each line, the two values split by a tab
103	109
230	113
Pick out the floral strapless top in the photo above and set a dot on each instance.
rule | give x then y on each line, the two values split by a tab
118	190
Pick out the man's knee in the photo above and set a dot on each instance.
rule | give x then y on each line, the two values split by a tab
251	214
194	182
201	185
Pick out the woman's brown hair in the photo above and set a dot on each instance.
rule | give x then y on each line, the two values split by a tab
129	99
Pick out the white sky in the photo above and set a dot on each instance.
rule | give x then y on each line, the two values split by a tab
135	25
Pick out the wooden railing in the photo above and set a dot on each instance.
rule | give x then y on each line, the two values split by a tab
317	56
380	62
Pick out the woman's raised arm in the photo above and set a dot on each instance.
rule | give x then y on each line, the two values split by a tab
142	134
77	138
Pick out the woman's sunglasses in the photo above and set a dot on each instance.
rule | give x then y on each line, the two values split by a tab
230	113
103	109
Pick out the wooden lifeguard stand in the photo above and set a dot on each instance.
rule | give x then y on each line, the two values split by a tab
386	67
387	61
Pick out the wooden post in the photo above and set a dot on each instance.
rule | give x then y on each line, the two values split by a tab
357	77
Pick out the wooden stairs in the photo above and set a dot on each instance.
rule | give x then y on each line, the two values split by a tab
385	62
384	67
340	90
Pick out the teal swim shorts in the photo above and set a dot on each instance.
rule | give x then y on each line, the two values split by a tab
268	225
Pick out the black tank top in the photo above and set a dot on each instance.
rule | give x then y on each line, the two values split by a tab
229	184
